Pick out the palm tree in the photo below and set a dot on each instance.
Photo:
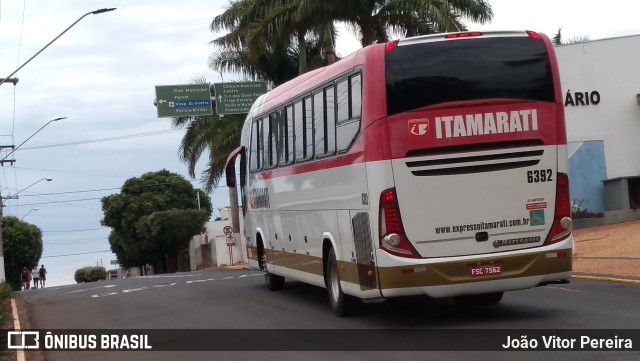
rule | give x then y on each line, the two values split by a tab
257	27
375	20
557	39
212	134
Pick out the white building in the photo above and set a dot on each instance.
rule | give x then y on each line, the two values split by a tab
212	248
601	92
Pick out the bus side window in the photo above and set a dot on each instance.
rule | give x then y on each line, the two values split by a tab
290	135
349	123
299	130
355	96
275	137
308	128
265	143
319	123
330	111
343	101
255	156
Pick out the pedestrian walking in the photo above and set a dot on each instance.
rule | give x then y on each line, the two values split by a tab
43	275
36	277
25	279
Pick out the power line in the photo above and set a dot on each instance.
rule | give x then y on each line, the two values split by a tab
103	189
74	254
56	202
77	230
98	140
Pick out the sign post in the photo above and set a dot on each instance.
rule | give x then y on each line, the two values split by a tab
238	97
183	100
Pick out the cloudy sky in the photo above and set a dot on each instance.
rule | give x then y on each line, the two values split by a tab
101	75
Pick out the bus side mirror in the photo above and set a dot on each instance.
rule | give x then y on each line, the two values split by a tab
230	167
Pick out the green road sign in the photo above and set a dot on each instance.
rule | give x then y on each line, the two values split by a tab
237	98
183	100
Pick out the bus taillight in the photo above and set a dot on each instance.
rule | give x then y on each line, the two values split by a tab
463	35
534	35
392	236
391	45
562	223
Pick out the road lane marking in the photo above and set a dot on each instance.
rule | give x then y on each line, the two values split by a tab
566	289
94	288
170	276
610	279
165	284
253	274
135	289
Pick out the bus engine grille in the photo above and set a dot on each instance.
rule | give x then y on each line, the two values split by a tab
364	251
469	164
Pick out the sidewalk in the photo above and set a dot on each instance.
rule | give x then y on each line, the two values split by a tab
611	251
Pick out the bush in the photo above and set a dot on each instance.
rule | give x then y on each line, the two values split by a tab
90	274
5	292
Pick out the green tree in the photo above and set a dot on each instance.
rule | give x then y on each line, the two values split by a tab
22	248
375	20
134	214
270	40
557	39
273	27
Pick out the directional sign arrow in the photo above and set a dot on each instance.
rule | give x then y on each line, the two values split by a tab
220	98
162	101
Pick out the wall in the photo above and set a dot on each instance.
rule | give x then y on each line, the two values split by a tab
610	67
600	82
219	252
587	172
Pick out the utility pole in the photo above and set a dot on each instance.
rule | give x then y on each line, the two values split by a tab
2	272
12	147
14	81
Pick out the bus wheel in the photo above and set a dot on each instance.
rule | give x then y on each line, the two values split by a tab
484	299
273	282
342	304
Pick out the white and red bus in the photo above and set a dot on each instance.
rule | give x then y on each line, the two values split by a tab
433	165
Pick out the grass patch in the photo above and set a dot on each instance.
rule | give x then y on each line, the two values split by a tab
6	320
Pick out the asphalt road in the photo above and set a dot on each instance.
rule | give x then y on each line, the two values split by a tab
238	301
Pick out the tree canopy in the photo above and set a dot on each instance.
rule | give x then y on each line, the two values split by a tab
277	40
154	217
22	248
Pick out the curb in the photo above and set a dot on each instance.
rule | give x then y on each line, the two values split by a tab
609	279
16	326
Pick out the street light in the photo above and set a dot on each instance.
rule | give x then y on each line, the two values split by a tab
32	209
20	145
100	11
14	196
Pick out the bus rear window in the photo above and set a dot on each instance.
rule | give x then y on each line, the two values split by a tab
433	73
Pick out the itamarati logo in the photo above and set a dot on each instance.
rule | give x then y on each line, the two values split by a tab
419	126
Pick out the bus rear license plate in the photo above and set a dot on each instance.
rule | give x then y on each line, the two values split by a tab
481	270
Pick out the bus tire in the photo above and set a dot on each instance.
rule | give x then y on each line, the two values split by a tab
483	299
273	282
342	305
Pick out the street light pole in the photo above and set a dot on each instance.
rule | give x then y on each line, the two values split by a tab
20	145
14	196
100	11
32	209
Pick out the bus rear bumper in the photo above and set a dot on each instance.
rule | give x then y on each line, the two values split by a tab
455	278
477	287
